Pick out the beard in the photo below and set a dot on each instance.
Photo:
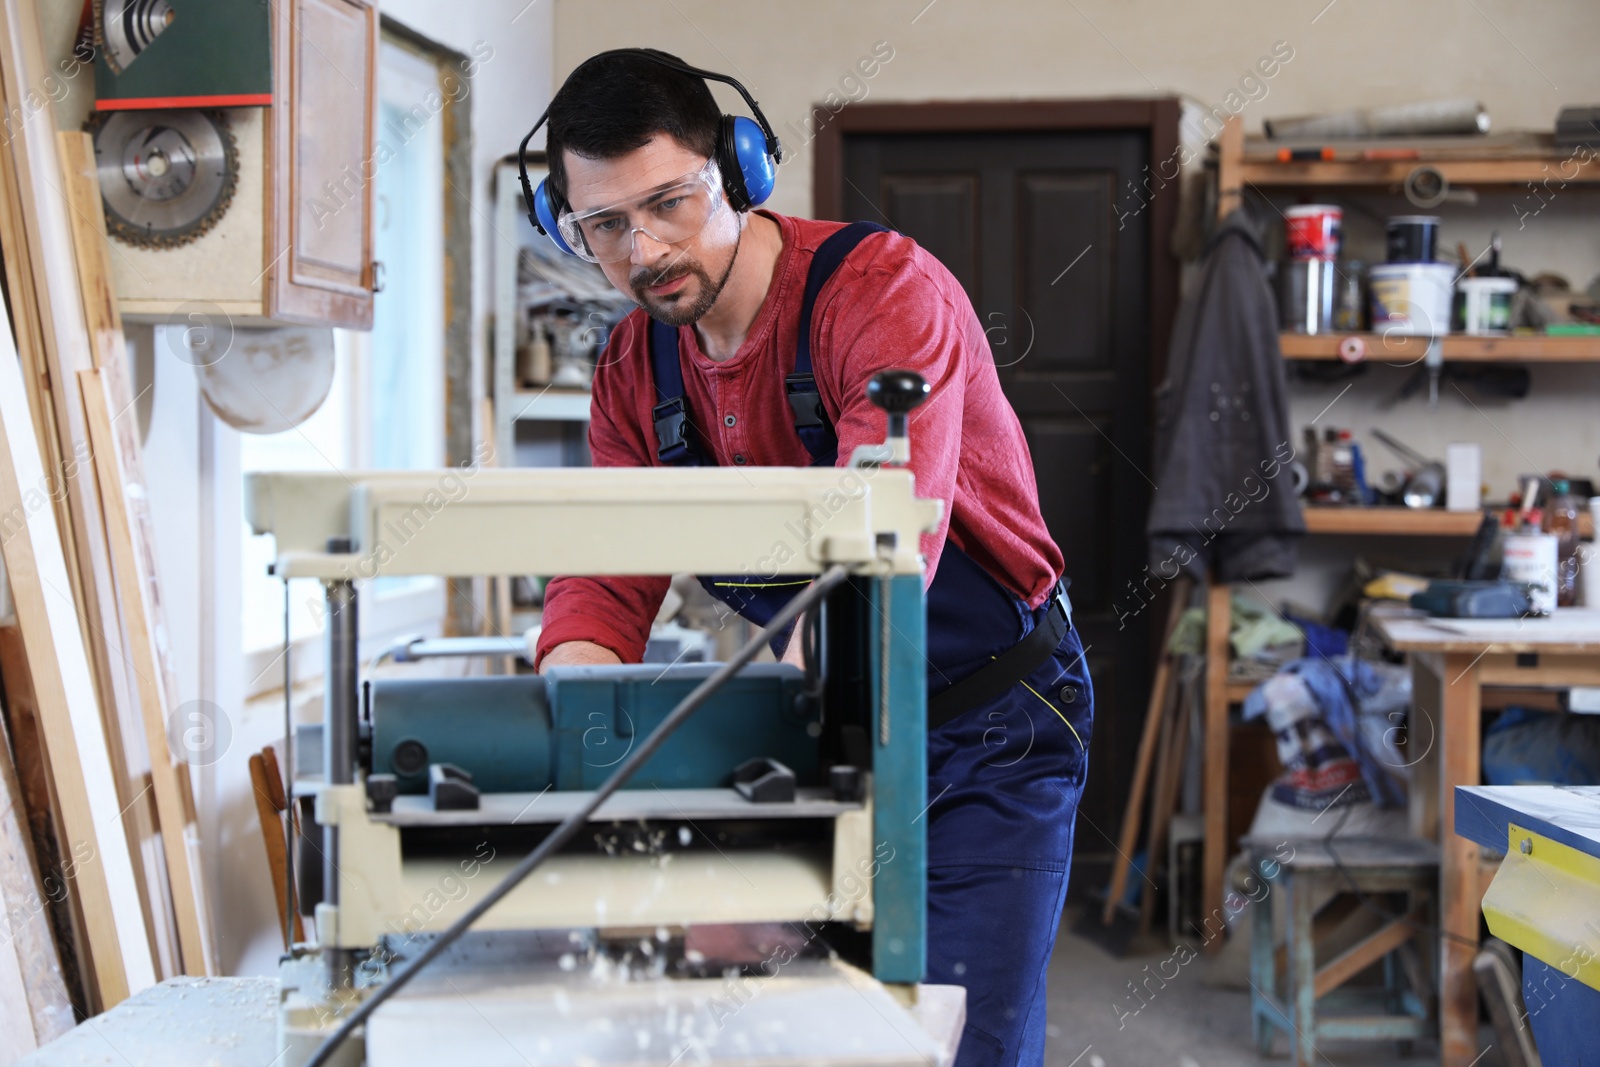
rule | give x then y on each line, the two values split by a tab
679	309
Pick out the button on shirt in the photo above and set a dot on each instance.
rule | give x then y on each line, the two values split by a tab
890	305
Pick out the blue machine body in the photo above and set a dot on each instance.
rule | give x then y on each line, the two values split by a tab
570	728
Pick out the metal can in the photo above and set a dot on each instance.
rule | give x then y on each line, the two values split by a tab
1412	238
1314	231
1305	297
1530	559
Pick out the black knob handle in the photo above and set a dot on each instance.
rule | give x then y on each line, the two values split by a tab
897	391
381	790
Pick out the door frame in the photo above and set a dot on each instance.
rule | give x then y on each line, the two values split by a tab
1157	117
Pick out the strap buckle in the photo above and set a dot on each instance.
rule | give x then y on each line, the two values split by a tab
1059	601
671	418
804	400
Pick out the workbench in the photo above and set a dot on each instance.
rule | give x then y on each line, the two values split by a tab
1453	662
1544	902
549	1020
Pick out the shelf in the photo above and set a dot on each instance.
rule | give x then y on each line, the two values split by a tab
1406	349
550	405
1512	172
1392	521
1238	690
1405	522
1503	160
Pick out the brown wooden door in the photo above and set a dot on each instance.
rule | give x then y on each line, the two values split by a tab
1057	266
324	162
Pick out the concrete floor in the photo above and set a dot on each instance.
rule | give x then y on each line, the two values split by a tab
1191	1022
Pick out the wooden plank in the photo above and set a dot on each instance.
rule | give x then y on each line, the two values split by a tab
1154	713
271	807
39	805
34	1006
1230	152
1463	172
1406	350
1358	957
1219	619
1459	901
107	346
25	321
1237	692
1169	777
58	350
1500	698
130	571
109	349
1407	522
1541	668
1514	144
86	787
45	240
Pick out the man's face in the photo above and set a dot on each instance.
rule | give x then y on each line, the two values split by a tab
675	283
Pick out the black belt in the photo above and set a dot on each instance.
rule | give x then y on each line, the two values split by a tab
994	679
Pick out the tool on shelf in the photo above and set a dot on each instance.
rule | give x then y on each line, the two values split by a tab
1425	481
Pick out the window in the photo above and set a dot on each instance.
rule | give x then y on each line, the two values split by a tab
386	407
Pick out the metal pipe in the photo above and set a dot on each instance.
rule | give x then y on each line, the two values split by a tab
340	710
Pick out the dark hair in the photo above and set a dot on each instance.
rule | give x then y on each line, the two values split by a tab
612	105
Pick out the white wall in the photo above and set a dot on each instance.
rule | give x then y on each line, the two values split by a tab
1348	53
1357	53
509	90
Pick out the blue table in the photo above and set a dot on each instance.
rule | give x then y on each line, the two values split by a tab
1545	900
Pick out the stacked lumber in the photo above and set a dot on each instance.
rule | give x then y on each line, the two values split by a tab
100	879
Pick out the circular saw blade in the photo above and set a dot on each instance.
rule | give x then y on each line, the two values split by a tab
166	176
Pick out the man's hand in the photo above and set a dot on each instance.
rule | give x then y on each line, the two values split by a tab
578	654
793	652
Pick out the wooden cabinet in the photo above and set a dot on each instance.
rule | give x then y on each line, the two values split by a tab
325	56
296	244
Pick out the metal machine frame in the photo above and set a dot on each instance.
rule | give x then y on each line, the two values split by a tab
340	527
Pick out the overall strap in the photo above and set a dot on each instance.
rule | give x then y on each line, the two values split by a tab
800	388
675	441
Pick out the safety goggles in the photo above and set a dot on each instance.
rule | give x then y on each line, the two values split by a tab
673	213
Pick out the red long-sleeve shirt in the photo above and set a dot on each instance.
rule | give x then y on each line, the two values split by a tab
889	305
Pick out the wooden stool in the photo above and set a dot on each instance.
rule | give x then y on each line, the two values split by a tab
1291	992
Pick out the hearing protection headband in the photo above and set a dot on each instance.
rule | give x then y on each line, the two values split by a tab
747	152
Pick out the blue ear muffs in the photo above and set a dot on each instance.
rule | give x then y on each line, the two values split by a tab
745	145
748	152
545	217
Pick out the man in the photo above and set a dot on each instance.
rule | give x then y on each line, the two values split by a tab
632	144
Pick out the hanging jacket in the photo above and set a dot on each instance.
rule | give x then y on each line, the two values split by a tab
1224	500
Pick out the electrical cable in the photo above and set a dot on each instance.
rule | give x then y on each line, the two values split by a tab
289	903
1367	902
574	822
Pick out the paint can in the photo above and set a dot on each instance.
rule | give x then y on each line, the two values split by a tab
1305	295
1412	238
1483	305
1530	559
1411	298
1314	231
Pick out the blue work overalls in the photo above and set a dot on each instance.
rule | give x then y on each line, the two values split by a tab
1004	778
